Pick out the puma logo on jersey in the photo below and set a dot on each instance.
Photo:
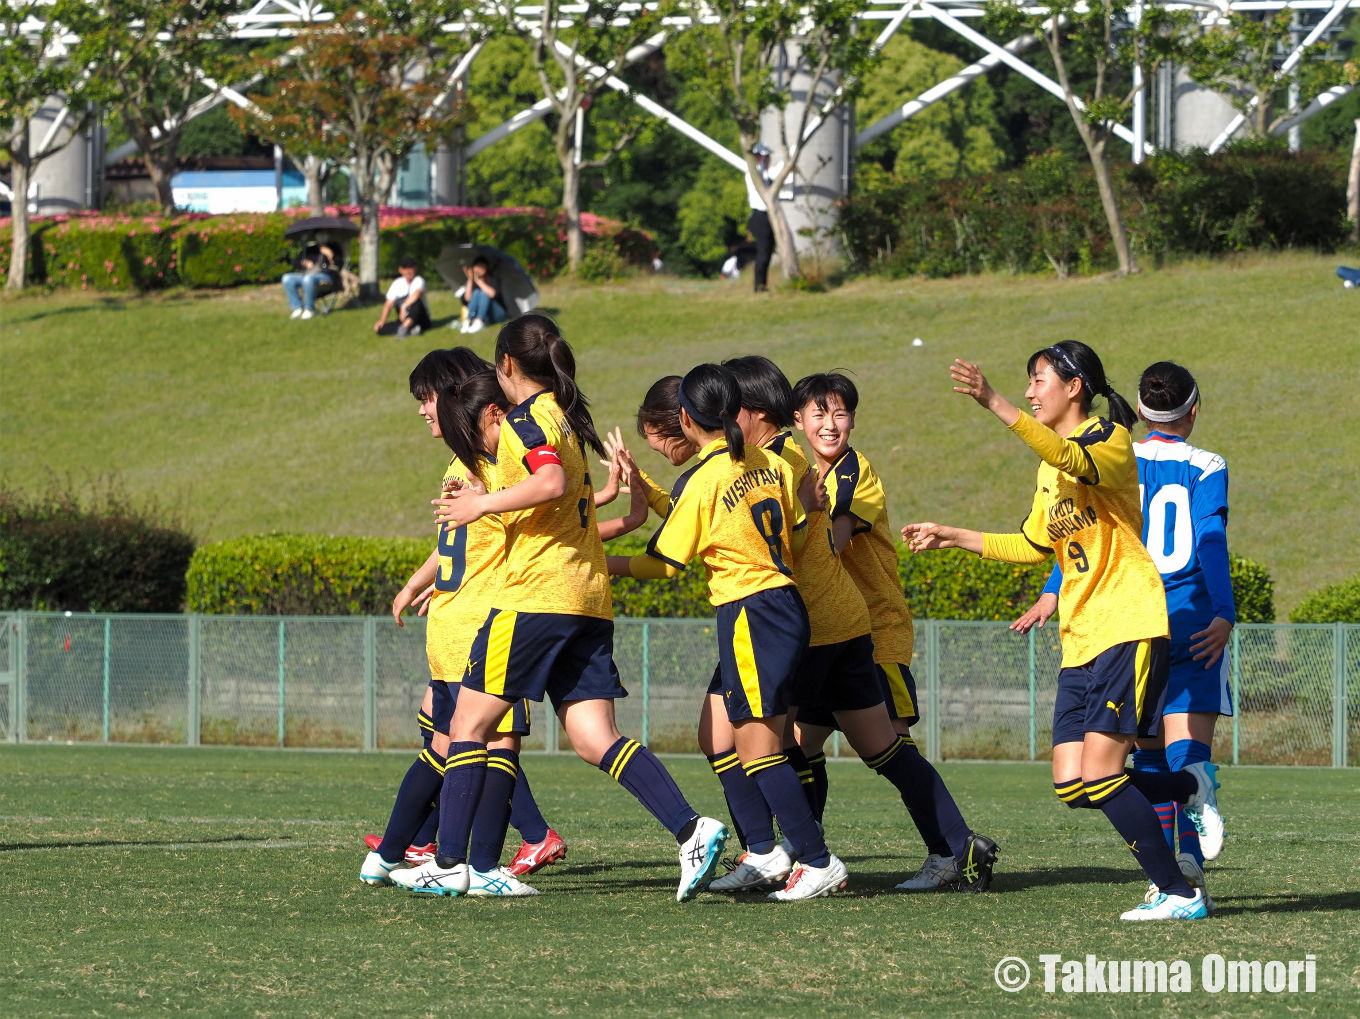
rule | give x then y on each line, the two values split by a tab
1114	707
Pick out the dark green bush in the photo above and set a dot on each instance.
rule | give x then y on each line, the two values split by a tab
302	574
226	251
60	554
683	597
953	584
1253	590
1335	603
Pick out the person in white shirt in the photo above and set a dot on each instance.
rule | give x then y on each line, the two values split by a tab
407	295
759	223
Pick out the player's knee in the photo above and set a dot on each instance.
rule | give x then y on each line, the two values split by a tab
1072	793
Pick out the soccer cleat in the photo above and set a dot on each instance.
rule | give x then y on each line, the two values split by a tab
813	882
534	856
497	882
1169	907
979	857
936	873
415	855
755	872
1202	809
377	871
1194	873
431	879
699	856
1150	896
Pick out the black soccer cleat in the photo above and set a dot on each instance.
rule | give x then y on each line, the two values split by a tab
975	869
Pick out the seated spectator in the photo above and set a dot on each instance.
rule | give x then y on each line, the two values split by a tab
407	295
317	266
481	296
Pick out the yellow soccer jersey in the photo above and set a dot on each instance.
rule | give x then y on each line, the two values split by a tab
871	557
471	569
554	558
739	517
836	609
1087	510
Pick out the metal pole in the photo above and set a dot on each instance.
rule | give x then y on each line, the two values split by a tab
646	678
836	743
194	735
370	683
933	688
1033	726
580	139
282	651
1139	97
1338	695
108	627
21	680
1237	693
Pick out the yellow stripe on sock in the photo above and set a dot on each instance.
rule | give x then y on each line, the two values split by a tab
466	758
498	651
745	654
819	759
1104	790
727	763
907	741
429	759
886	756
1068	793
761	763
621	761
506	766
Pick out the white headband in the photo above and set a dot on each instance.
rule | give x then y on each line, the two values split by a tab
1165	416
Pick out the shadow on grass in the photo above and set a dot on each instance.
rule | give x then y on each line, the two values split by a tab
1347	901
103	304
15	847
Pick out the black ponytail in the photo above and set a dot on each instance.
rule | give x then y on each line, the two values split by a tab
459	411
1072	359
763	388
536	344
712	398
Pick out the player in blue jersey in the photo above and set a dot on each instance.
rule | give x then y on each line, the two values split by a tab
1185	516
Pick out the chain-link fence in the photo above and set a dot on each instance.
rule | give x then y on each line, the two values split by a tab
986	693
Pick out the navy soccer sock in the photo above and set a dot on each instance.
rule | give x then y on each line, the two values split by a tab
1073	794
637	769
783	791
430	827
1154	760
525	816
817	763
464	779
493	810
803	767
936	815
1178	755
1133	817
418	789
1161	787
751	817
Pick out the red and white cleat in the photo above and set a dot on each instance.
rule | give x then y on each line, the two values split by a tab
534	856
415	855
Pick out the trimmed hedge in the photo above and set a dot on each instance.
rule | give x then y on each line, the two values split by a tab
57	555
954	584
681	597
96	252
1253	590
1335	603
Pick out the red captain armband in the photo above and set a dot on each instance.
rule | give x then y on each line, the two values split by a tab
541	457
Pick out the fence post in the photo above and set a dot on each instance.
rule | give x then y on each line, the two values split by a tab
646	677
1338	695
1033	727
933	689
283	646
21	678
370	683
836	743
194	734
108	632
1237	693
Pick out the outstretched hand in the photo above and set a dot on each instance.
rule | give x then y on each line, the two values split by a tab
926	537
1037	615
971	382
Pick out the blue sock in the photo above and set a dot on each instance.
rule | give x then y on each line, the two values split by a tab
1178	755
527	819
1133	817
817	764
933	810
464	779
639	771
751	817
782	790
1166	814
1189	835
1154	760
493	810
418	790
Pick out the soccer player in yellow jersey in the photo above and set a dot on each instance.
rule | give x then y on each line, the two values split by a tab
876	713
738	510
1086	511
550	628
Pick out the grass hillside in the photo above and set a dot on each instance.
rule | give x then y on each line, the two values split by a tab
220	406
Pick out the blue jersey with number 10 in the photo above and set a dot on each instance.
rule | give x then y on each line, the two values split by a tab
1185	516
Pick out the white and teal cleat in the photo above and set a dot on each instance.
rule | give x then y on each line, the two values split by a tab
1194	873
699	856
431	879
377	871
1202	809
1169	907
498	881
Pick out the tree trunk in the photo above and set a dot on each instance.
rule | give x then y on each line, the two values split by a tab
1353	187
18	181
311	171
784	242
161	171
1119	236
368	248
571	208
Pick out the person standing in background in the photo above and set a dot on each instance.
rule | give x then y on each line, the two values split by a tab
759	222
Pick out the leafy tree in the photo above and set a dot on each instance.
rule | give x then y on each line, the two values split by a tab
32	70
364	90
1103	33
150	58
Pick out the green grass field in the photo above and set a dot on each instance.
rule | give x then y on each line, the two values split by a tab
218	405
224	882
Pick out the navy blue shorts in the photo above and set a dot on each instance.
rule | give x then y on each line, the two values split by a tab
1192	687
899	691
519	655
761	639
836	677
1121	690
515	722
